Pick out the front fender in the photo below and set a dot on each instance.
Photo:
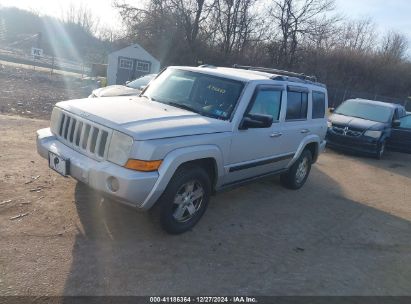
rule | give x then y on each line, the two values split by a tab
176	158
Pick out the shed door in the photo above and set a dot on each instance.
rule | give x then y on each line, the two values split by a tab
124	70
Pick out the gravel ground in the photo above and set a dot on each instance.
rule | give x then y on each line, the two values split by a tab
346	232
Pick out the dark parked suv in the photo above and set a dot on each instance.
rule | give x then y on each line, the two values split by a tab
365	126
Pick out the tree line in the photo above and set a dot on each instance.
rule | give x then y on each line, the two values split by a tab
305	36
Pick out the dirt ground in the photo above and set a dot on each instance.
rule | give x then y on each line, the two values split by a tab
32	93
346	232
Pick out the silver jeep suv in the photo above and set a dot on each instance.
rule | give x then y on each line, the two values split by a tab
192	132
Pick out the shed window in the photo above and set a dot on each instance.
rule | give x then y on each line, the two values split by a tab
143	66
126	63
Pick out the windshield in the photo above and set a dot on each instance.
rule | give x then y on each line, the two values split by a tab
142	81
364	110
200	93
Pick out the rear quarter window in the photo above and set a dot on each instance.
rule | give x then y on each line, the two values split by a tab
318	105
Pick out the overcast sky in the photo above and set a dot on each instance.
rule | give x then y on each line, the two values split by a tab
387	15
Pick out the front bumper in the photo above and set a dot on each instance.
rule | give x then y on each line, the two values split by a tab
360	144
134	186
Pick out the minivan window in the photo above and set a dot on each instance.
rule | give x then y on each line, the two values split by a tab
365	110
297	103
318	105
196	92
267	101
405	122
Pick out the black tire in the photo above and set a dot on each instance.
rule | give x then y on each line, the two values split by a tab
381	150
165	210
292	178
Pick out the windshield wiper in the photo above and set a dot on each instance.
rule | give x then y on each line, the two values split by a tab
182	106
149	98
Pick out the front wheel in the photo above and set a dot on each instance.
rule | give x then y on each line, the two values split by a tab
184	201
381	151
297	174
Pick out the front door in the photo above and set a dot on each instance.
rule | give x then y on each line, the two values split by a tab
400	139
258	151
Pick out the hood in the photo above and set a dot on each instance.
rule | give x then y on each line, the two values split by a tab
143	119
115	90
356	123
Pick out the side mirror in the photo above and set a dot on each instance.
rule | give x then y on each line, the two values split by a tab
332	110
252	121
396	123
141	88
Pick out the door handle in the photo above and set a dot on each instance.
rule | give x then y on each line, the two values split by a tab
276	134
305	131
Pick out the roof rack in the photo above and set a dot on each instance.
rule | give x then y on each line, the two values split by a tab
275	71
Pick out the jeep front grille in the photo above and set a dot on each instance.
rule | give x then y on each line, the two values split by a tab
83	135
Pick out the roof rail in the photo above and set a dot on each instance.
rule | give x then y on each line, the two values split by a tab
275	71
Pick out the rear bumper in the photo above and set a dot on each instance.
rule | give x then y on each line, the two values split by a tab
359	144
134	186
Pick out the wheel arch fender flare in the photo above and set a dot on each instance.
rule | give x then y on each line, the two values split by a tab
174	159
306	141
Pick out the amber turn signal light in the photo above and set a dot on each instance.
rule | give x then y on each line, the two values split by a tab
143	165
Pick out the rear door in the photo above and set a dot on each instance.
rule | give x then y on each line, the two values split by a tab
296	122
400	139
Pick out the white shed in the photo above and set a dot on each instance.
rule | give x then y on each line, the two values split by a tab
130	63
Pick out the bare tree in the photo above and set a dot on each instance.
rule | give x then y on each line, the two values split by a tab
296	18
81	16
234	24
191	14
394	46
358	35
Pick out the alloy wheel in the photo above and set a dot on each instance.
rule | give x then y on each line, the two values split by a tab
302	170
188	201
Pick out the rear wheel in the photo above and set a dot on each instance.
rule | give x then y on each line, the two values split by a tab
298	173
184	201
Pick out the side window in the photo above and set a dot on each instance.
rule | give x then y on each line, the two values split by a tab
405	122
318	105
143	66
399	113
396	115
297	103
126	63
267	101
